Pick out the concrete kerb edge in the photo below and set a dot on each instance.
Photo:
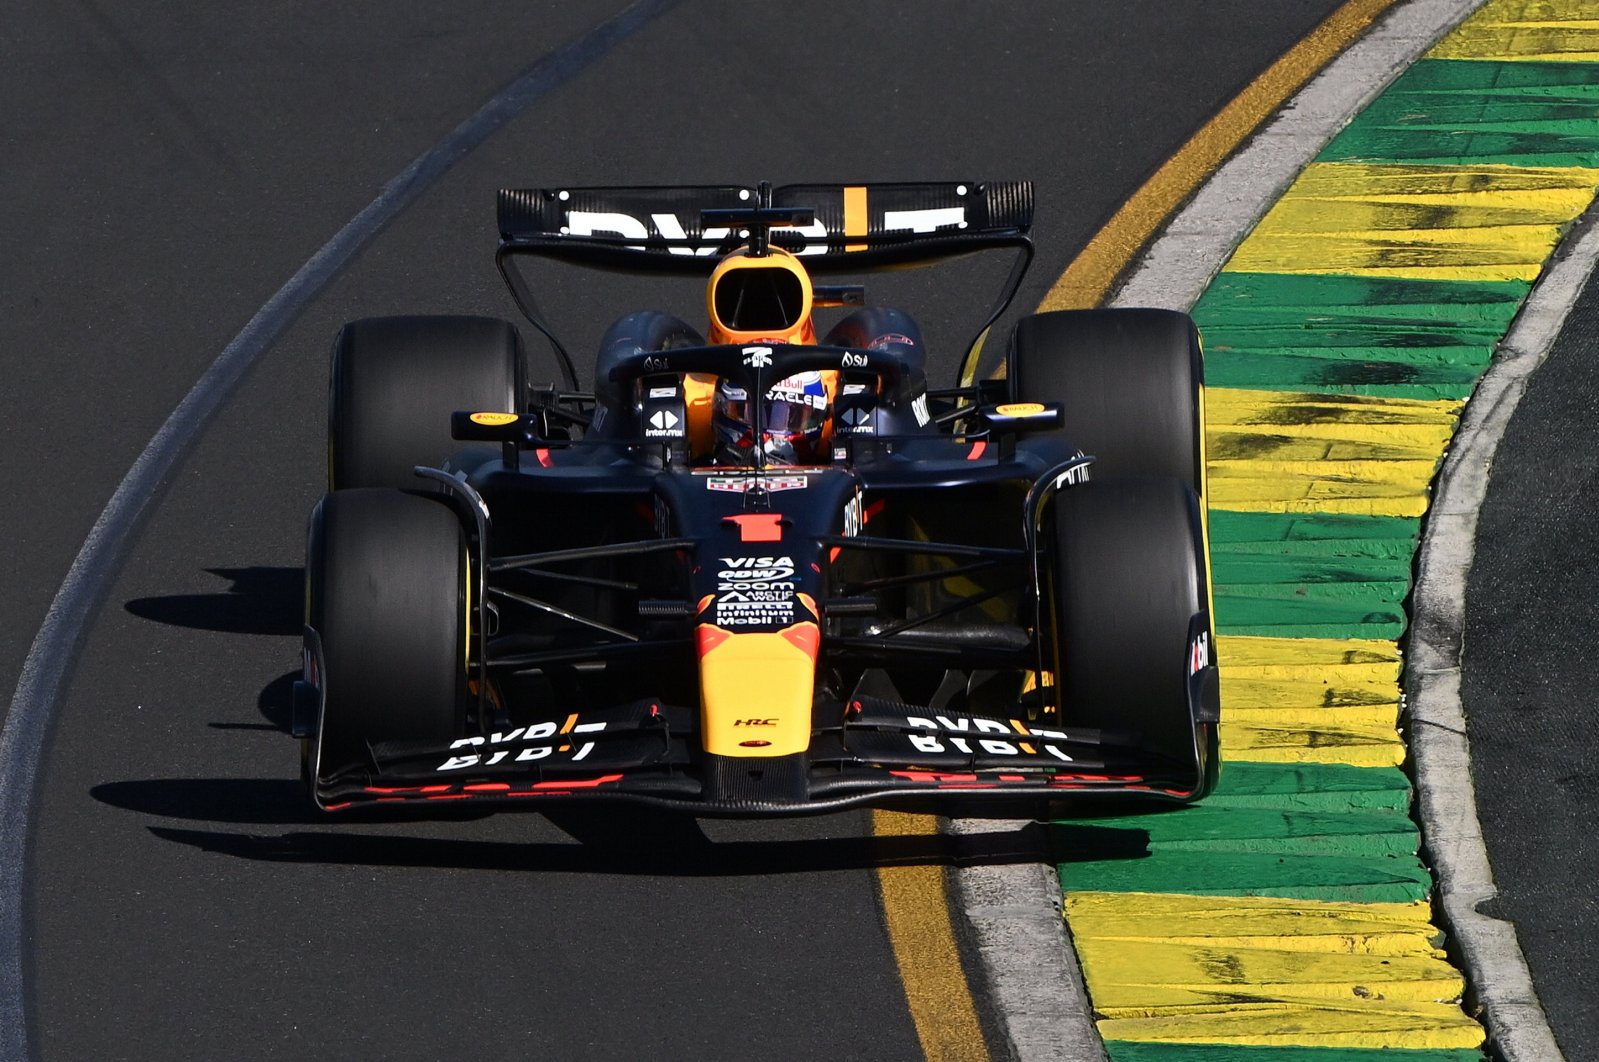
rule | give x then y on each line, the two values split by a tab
1499	980
1176	269
1012	917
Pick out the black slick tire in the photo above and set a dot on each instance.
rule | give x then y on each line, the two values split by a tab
1128	578
1132	384
396	380
386	592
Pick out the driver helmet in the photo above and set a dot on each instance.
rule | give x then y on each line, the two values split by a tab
795	422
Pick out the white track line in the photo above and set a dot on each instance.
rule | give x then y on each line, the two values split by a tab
49	663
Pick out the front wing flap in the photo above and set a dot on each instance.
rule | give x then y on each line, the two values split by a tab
866	752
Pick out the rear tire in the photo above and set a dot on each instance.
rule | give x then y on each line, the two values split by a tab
386	591
1129	577
395	382
1132	383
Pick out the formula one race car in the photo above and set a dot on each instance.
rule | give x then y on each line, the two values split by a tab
753	572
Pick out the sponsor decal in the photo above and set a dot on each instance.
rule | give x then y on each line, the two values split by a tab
732	613
854	388
1020	409
1199	653
663	518
664	418
757	357
799	398
855	361
755	592
668	225
524	742
739	484
657	363
493	420
853	517
883	341
1072	476
756	568
950	736
926	220
961	725
755	722
919	407
663	392
605	223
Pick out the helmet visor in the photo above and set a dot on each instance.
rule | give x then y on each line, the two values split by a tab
796	406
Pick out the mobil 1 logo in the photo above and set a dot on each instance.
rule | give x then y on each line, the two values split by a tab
755	592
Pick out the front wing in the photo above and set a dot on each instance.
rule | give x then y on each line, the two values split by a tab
866	752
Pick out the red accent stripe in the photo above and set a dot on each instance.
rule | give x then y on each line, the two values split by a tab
709	636
580	783
977	450
758	527
806	637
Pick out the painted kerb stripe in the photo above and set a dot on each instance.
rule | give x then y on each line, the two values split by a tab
1286	919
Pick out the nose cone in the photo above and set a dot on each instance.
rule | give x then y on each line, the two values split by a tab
756	689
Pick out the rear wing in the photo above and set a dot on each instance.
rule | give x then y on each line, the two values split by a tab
850	227
832	227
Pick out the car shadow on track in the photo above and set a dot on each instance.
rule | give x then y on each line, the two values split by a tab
604	841
261	600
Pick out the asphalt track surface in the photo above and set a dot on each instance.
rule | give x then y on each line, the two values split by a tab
166	170
1529	675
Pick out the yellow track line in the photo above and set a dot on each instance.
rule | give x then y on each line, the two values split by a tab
916	912
1088	279
915	905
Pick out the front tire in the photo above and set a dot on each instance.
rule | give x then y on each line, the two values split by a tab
387	593
396	380
1129	580
1132	383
